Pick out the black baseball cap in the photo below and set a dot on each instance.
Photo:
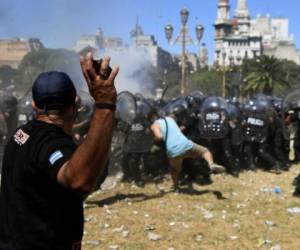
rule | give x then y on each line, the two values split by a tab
53	91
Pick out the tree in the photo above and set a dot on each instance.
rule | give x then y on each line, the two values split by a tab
207	81
43	60
263	75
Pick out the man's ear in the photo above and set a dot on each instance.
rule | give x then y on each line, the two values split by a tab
34	105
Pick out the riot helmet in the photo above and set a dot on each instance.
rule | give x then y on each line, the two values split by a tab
213	118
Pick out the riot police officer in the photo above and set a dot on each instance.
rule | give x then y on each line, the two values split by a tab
258	131
215	130
138	142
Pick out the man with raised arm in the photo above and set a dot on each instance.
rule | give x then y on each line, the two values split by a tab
45	178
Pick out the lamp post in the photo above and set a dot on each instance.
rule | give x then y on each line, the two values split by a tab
224	69
239	63
183	38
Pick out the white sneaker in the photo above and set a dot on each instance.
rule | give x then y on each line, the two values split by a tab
292	154
217	169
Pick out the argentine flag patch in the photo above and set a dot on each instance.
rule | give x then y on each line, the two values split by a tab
55	156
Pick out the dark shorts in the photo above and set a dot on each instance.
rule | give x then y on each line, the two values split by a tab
196	152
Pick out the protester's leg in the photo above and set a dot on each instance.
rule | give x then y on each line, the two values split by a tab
175	168
199	151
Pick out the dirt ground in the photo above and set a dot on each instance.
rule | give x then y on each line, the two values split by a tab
250	212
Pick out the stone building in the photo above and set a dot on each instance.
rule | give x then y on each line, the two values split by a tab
242	37
277	41
233	40
97	42
157	56
12	51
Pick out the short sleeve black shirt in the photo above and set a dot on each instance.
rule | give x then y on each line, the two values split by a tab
35	211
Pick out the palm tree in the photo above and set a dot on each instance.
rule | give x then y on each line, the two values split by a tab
264	74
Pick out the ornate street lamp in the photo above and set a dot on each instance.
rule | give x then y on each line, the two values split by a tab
183	38
169	32
184	15
224	68
199	32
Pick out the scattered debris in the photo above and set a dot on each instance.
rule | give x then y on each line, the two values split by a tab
125	233
294	210
262	242
119	229
199	237
172	223
270	223
277	247
93	242
185	225
107	209
89	218
207	214
150	227
154	237
104	226
240	205
277	190
113	247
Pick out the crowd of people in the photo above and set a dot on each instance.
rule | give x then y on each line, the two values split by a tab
59	151
259	132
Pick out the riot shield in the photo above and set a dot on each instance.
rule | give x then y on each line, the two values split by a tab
25	111
84	111
213	122
174	105
126	107
86	105
198	96
139	137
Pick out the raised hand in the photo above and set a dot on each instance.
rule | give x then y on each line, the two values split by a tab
100	79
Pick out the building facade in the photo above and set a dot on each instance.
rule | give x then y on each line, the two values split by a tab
157	56
233	39
98	42
241	37
12	51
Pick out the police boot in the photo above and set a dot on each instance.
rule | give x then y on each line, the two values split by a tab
252	167
235	172
296	181
297	192
276	169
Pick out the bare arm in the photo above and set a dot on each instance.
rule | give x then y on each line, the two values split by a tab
88	161
155	127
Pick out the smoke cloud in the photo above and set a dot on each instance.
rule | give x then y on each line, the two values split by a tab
135	67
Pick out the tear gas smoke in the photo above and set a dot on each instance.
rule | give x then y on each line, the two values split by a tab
135	66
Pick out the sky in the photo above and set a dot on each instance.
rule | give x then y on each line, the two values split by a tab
60	23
